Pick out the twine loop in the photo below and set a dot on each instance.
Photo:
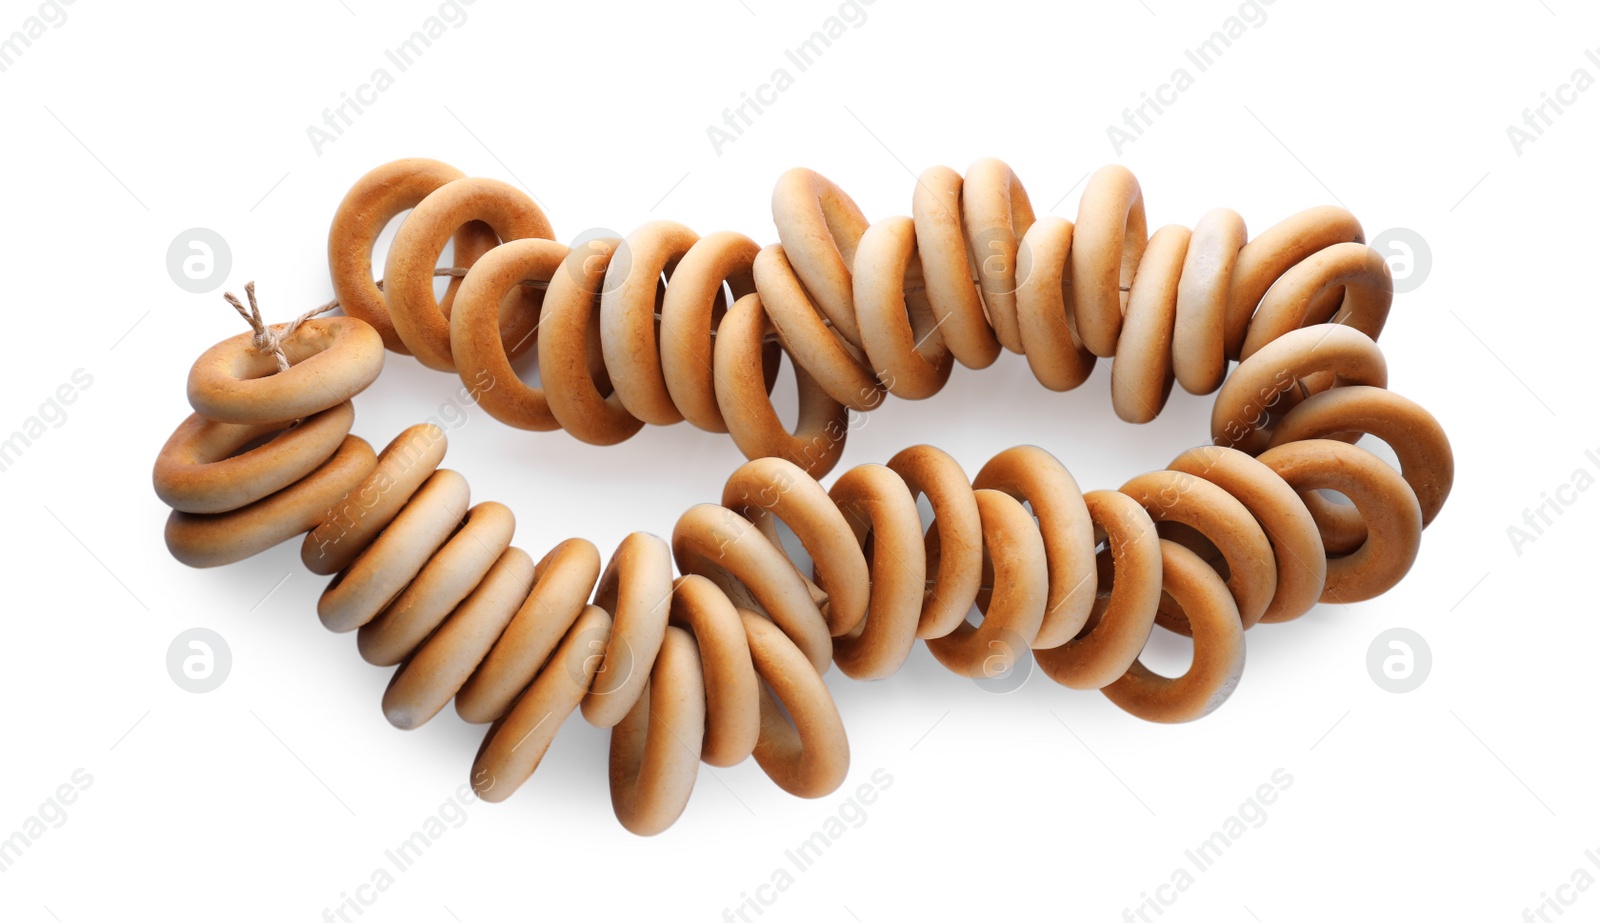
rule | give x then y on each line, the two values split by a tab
269	338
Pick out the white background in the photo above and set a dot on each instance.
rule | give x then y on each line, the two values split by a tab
276	794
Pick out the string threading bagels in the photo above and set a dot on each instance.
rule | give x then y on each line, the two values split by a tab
724	660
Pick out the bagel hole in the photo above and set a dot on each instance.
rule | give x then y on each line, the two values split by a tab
1380	448
1333	497
1028	505
521	311
381	244
1328	306
662	281
925	336
1367	441
773	359
783	390
1167	652
1345	531
1195	541
1339	522
930	540
526	367
778	705
931	558
445	260
869	547
1105	572
792	547
980	605
1273	411
597	363
731	290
